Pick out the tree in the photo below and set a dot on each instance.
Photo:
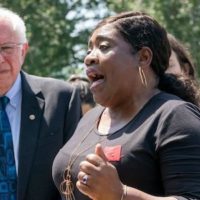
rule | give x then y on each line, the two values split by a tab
179	17
57	46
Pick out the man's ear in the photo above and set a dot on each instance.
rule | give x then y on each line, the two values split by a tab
25	49
145	57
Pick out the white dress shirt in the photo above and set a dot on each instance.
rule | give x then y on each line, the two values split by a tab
13	110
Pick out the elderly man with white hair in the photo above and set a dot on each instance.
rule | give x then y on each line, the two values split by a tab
40	116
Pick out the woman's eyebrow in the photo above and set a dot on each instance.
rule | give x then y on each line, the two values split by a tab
99	38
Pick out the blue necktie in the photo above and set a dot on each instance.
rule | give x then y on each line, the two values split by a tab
8	177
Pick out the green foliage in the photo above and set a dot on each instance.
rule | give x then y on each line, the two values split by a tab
58	30
179	17
55	43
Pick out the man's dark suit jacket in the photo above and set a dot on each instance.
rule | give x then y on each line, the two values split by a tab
50	112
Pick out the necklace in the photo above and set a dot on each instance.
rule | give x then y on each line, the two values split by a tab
67	186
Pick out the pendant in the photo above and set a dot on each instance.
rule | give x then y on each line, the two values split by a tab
67	187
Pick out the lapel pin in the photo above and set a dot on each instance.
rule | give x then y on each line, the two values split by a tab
31	117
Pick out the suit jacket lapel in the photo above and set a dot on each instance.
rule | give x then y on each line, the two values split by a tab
31	116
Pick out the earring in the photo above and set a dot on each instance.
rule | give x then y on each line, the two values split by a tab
142	76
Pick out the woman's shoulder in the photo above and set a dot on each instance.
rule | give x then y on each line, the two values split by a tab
169	102
177	120
175	102
164	106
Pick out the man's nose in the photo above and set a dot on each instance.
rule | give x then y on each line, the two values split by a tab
2	59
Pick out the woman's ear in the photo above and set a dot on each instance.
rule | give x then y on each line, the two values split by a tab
145	57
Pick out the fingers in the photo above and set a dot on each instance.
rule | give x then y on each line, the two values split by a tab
98	158
95	160
89	171
99	151
88	167
96	174
83	178
83	187
84	184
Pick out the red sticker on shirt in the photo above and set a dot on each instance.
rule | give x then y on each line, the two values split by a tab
113	153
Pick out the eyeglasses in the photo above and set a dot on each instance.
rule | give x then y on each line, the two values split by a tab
8	49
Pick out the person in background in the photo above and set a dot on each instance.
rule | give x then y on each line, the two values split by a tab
143	141
181	65
180	60
83	85
41	115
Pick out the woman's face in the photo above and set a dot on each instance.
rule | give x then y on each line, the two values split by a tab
174	65
112	67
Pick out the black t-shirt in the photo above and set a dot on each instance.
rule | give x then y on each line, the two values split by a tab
160	148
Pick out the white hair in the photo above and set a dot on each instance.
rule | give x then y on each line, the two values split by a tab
16	21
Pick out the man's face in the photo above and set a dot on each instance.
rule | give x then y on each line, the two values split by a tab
12	55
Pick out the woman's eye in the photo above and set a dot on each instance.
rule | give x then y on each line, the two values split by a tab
89	51
103	47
